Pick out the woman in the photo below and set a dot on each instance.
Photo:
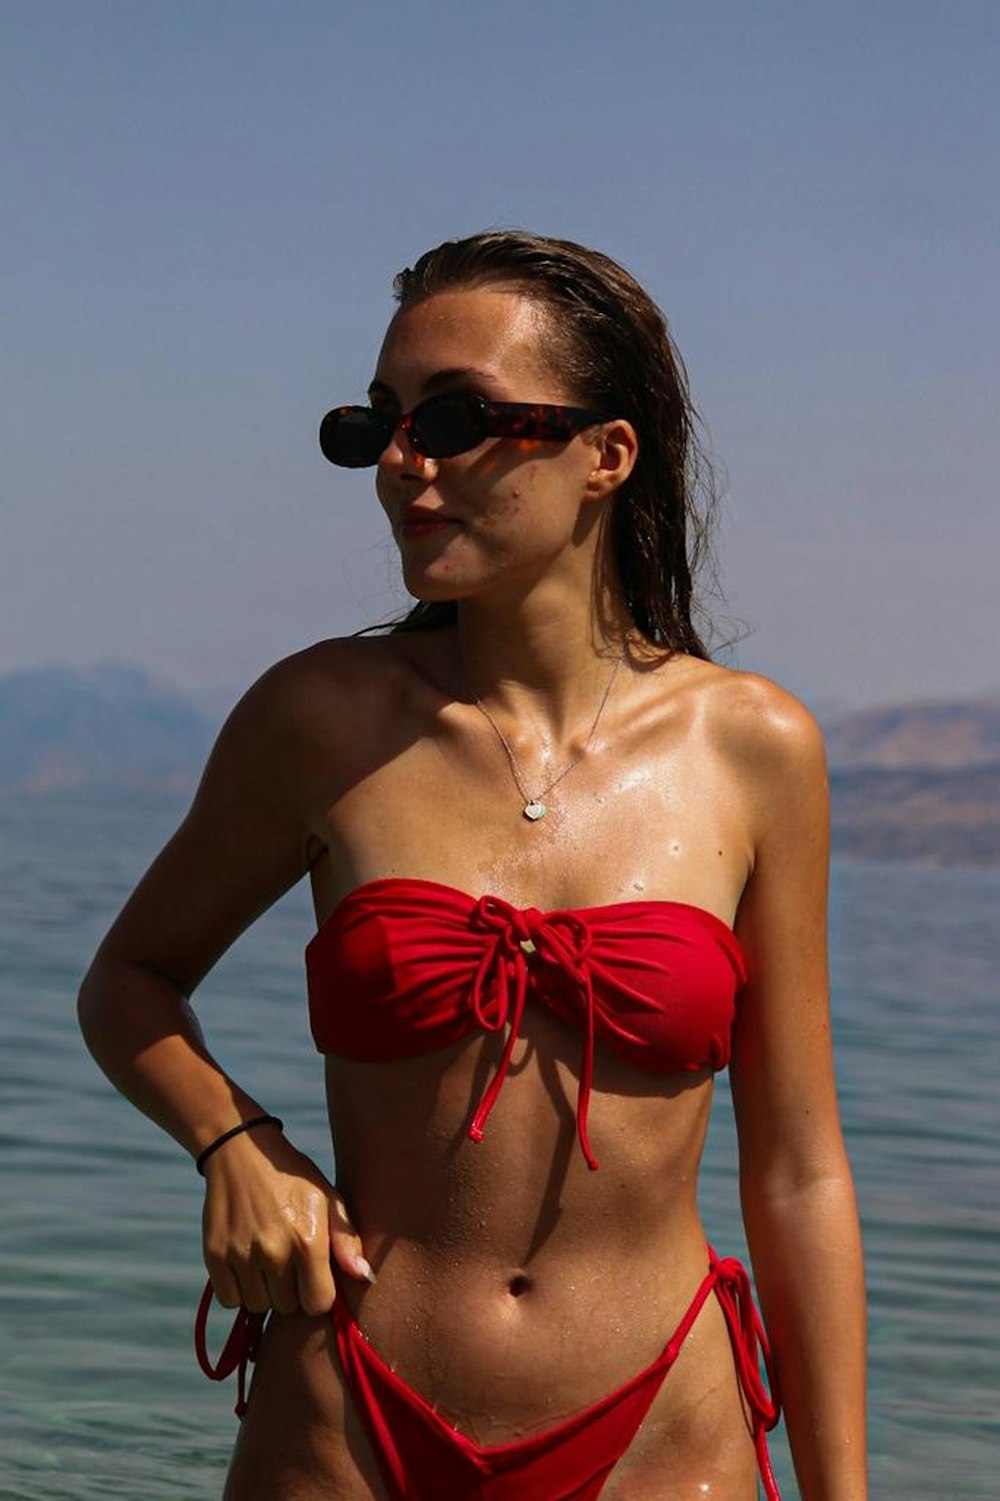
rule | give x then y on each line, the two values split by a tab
563	866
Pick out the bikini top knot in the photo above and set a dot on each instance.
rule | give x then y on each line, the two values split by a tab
560	938
525	939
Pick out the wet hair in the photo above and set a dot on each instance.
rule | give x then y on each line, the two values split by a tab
611	344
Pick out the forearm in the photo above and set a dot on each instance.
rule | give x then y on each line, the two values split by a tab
806	1251
144	1035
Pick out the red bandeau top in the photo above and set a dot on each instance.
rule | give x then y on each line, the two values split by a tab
404	966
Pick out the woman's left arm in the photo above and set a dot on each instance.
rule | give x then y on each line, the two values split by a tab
796	1188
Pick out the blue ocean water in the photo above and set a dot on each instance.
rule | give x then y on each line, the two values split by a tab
100	1262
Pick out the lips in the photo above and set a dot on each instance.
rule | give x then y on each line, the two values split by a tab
418	521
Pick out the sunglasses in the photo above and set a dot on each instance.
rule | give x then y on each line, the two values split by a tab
442	426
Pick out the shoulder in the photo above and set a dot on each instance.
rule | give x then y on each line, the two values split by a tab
311	689
770	745
339	664
289	716
767	729
315	720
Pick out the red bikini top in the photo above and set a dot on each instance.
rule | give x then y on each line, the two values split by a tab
404	966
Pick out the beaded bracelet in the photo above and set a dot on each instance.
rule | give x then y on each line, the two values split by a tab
220	1141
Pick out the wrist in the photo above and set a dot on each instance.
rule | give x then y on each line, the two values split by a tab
257	1122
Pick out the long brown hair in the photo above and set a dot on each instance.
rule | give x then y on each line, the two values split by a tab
612	343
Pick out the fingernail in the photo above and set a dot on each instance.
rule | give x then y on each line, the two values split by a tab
364	1269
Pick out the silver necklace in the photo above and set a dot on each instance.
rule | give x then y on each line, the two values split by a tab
534	808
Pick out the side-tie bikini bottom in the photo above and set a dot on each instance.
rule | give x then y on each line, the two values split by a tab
423	1459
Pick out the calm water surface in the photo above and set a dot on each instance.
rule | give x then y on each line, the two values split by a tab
100	1263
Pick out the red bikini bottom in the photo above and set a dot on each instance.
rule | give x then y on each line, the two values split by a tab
424	1459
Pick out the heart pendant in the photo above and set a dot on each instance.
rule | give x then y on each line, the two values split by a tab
534	810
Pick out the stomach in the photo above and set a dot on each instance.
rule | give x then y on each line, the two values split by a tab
515	1286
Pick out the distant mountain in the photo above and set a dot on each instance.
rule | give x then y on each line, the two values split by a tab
941	734
929	816
67	727
918	781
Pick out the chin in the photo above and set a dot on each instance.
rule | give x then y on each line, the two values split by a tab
430	590
428	594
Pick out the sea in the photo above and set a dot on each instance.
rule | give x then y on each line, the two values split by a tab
100	1260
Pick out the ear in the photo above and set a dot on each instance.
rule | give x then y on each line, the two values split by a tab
615	448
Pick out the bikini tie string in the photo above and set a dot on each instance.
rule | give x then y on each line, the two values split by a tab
517	941
239	1351
750	1345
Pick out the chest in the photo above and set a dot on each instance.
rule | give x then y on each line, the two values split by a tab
663	822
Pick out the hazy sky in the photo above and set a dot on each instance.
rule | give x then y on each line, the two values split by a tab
203	207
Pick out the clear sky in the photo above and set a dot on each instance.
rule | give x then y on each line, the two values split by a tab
203	205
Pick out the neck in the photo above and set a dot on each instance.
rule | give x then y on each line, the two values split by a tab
547	660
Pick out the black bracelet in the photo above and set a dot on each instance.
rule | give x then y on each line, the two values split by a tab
220	1141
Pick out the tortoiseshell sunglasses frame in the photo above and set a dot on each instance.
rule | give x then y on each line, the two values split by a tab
533	421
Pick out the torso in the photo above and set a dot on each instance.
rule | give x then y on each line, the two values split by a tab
506	1267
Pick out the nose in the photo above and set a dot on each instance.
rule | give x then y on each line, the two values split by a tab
401	452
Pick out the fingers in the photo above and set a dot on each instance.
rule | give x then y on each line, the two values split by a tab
254	1283
224	1283
280	1289
293	1273
345	1243
315	1285
254	1292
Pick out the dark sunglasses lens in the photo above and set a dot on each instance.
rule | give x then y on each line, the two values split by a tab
446	425
354	437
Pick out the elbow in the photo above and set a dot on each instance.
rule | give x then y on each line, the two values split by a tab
91	1007
124	1008
821	1207
107	1002
788	1179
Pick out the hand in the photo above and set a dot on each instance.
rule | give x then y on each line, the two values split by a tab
271	1224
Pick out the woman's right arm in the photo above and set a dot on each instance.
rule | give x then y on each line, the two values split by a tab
271	1218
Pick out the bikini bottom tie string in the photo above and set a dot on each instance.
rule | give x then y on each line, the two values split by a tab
239	1351
750	1345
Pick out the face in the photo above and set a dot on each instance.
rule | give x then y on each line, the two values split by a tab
509	507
